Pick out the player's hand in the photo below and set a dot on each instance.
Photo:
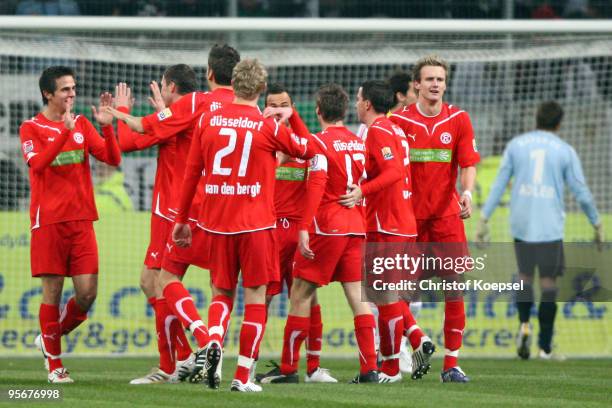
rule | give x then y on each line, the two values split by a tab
352	198
282	158
303	244
156	100
280	114
599	236
68	116
123	96
181	235
482	231
113	112
102	115
466	205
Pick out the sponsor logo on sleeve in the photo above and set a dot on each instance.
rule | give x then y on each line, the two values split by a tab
78	137
387	153
28	146
318	163
446	138
165	114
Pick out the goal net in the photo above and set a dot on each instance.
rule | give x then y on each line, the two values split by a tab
499	78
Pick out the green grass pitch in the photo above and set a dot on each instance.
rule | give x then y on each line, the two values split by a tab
103	382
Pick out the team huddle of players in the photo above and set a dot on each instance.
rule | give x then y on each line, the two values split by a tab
241	192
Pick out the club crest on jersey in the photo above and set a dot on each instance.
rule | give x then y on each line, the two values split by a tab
78	137
28	146
446	138
387	153
165	114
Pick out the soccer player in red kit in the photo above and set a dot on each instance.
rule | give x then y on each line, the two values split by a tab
175	356
235	146
390	220
289	194
331	239
441	139
56	146
179	120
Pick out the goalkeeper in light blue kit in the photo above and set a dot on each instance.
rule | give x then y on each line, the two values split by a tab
541	165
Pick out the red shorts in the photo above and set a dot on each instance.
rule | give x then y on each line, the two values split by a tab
176	260
160	229
254	254
445	229
287	238
448	239
337	259
66	249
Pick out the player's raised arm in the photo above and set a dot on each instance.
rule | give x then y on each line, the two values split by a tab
134	122
130	140
107	149
35	156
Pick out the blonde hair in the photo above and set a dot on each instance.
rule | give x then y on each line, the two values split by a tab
249	79
429	60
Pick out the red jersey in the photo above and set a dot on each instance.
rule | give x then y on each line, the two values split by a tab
235	146
438	145
179	120
290	188
339	162
60	179
166	148
388	187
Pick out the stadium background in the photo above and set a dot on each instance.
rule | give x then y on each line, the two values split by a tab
499	78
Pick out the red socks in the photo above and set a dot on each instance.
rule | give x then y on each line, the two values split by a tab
412	331
179	341
296	331
314	339
163	323
182	306
51	334
365	326
219	313
251	333
454	323
72	316
391	329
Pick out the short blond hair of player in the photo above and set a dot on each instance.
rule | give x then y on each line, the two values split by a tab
429	61
249	79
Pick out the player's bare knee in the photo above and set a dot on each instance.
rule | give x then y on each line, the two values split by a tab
52	289
148	282
221	292
86	298
165	278
255	295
